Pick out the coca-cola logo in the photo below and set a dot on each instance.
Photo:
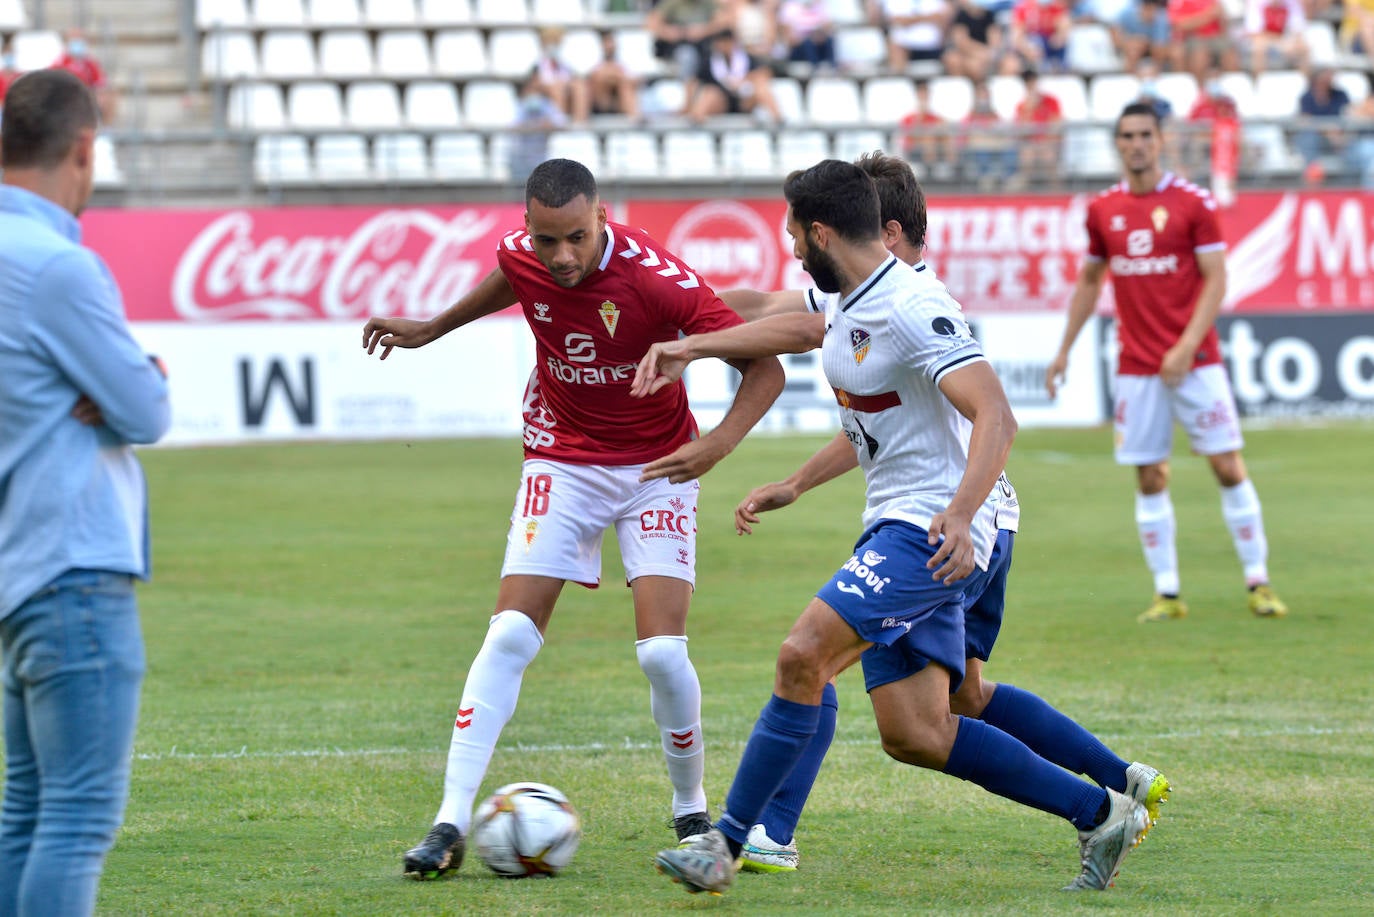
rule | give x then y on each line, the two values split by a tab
727	243
398	262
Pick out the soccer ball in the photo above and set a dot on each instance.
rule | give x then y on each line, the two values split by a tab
526	829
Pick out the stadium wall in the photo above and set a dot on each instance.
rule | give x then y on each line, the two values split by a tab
258	311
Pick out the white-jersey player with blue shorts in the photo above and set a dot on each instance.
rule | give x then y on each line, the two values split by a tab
926	418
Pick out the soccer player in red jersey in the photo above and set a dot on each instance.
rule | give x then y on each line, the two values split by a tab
596	295
1159	236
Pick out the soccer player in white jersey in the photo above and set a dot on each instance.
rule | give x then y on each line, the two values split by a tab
1159	236
931	427
596	295
770	846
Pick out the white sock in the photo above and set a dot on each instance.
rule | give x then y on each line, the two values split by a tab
1240	506
1154	519
675	699
489	697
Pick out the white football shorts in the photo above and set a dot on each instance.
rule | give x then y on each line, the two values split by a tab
562	512
1146	409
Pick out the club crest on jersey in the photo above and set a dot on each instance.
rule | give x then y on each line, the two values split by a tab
541	312
610	316
860	340
531	530
1159	216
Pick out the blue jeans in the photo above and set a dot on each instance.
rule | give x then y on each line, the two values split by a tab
73	664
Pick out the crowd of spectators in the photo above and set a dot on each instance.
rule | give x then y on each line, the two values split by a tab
75	57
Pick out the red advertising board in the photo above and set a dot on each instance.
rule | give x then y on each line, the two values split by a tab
1288	251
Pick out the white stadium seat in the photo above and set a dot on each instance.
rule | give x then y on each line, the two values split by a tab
273	13
213	13
787	92
1108	93
228	56
1322	47
334	13
489	103
1270	152
1006	93
314	105
801	149
951	97
1089	152
256	107
342	158
500	12
846	12
690	154
403	54
1241	88
578	145
888	99
460	53
432	104
280	159
459	157
632	154
580	49
1276	94
400	158
851	144
288	54
833	100
106	169
346	53
390	12
1070	92
557	12
1354	82
663	97
1090	49
747	153
1179	90
860	48
512	53
634	48
372	105
35	49
446	12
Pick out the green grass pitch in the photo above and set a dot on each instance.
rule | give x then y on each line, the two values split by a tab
314	608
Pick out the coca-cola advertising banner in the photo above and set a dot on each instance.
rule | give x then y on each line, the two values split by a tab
1288	251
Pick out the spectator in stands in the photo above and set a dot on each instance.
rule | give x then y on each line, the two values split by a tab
1320	109
989	145
537	117
925	138
1360	121
1212	104
755	22
1275	32
681	30
76	59
1041	120
808	32
915	29
1141	32
1040	33
975	42
732	81
564	88
1357	27
1198	30
612	89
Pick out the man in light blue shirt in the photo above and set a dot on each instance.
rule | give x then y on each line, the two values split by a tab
76	391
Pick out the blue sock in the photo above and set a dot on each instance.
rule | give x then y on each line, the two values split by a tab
1000	764
778	741
1053	736
784	809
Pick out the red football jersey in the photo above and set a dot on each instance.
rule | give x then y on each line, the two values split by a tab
83	68
1150	242
1179	10
589	339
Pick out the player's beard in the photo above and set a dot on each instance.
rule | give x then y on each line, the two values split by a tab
823	270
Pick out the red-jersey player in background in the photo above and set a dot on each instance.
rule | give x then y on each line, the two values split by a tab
1159	236
596	295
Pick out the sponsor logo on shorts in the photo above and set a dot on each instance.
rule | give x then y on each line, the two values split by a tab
683	557
865	575
852	590
893	622
664	523
1218	415
873	558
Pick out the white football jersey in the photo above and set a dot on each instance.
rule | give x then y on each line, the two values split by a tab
887	345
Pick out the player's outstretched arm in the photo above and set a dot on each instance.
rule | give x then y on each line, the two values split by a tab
768	337
832	460
1084	300
752	305
493	294
975	392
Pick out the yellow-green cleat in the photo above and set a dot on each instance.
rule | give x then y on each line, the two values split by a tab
1164	608
1265	602
1148	787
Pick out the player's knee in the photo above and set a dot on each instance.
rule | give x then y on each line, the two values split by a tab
971	699
513	633
662	655
916	745
1153	478
799	669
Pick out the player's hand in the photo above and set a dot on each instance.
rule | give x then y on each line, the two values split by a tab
395	332
1054	374
687	463
761	500
954	559
1177	361
88	412
662	365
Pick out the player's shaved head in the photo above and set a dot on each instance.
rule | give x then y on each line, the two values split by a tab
555	182
838	194
900	197
45	111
